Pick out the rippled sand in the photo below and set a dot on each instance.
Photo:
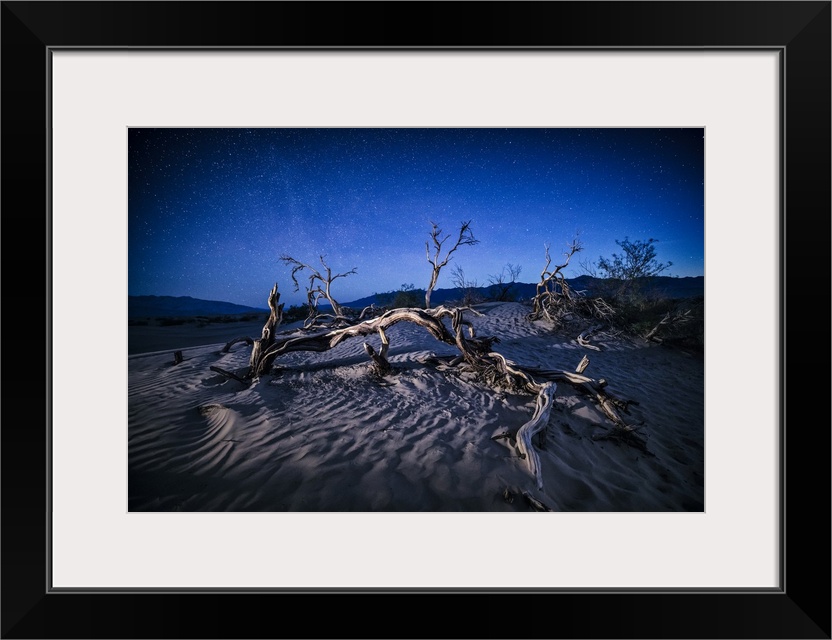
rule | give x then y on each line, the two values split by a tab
321	434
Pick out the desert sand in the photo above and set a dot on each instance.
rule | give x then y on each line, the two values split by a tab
320	434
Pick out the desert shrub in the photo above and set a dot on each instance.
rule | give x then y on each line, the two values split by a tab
407	296
638	260
295	313
637	312
626	277
627	284
670	321
384	299
470	297
468	289
502	285
689	333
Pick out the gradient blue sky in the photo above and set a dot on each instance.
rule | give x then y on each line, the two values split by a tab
212	210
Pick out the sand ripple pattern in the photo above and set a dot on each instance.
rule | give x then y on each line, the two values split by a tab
323	435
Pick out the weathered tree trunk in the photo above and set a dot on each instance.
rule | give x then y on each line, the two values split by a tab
260	361
329	339
381	367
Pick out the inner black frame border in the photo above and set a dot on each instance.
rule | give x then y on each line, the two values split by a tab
799	31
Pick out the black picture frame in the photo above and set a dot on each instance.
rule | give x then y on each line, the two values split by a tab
800	608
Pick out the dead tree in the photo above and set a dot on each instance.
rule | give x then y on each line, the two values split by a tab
381	366
320	287
503	282
468	288
475	354
554	298
466	237
259	358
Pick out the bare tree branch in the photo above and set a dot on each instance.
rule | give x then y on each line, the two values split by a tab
553	295
437	261
467	288
317	280
503	283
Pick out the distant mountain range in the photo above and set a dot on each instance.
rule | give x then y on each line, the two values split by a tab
689	287
182	306
173	306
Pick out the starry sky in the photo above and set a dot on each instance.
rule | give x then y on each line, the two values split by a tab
212	210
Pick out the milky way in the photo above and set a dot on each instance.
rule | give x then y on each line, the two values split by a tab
212	210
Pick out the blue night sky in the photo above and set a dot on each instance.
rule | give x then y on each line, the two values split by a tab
212	210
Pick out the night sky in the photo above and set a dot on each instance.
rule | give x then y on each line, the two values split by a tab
212	210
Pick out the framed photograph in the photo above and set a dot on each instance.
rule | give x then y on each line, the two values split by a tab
102	101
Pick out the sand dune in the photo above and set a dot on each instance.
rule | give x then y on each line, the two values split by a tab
321	434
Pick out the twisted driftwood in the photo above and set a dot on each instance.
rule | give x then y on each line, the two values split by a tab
258	359
381	366
554	298
475	353
538	422
583	338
